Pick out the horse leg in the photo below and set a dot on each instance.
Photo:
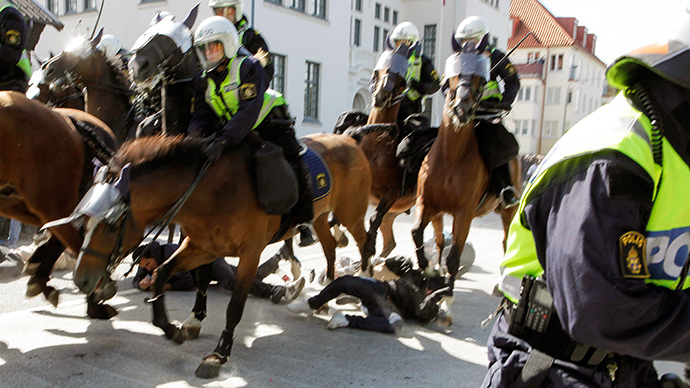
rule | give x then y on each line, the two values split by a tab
39	265
377	217
422	219
191	327
461	228
246	270
387	233
328	244
338	233
439	238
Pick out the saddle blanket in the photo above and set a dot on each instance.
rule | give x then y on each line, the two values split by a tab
320	174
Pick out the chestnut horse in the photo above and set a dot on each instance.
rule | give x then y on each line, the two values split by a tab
221	216
454	178
45	168
107	92
63	96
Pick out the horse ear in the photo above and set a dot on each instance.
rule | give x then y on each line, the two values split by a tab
389	46
96	39
191	17
455	44
122	183
483	44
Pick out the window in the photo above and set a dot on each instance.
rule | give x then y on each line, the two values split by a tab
385	36
533	56
52	6
89	5
311	91
278	81
525	93
550	128
395	17
556	62
377	34
70	6
358	5
522	127
356	36
429	43
553	96
299	5
275	1
377	11
320	8
386	14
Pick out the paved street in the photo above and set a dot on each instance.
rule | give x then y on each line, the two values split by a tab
42	346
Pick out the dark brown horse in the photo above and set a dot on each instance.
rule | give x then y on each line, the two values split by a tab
107	92
221	216
454	178
45	168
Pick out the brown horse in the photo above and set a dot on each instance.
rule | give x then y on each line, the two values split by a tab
391	192
221	216
45	168
106	90
63	96
454	178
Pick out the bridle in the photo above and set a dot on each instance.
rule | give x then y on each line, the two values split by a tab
461	110
394	96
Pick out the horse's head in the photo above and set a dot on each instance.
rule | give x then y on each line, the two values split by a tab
104	214
161	49
60	96
80	60
391	72
466	73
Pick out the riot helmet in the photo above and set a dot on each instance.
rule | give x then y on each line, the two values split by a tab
110	45
211	33
473	27
219	5
405	32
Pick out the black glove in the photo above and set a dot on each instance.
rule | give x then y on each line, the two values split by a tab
416	85
215	149
504	105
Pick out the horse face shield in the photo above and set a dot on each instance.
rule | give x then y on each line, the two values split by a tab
392	66
467	66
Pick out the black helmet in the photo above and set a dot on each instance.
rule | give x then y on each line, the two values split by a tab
670	60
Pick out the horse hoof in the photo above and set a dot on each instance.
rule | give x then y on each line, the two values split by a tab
52	295
191	332
208	369
342	241
33	290
175	334
100	311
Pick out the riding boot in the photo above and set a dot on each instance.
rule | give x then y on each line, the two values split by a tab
508	194
304	209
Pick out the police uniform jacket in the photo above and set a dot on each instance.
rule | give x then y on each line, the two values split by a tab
205	122
13	34
252	40
408	295
506	71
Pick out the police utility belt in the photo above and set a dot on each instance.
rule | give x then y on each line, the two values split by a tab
534	320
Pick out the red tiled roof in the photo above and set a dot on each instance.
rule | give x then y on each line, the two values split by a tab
530	15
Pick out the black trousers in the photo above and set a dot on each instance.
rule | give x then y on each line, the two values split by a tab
372	293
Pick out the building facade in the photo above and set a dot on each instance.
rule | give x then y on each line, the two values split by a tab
324	50
561	80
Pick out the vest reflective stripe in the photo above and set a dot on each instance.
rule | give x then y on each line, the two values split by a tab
241	29
24	62
414	72
491	89
616	126
226	104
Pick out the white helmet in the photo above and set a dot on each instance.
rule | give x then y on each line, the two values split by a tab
405	31
238	4
216	29
472	27
110	45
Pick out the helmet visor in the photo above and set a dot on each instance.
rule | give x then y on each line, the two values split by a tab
210	53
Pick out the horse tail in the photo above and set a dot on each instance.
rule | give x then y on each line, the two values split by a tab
89	133
358	133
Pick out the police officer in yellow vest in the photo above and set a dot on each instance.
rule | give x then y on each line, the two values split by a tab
250	38
502	145
15	67
231	97
595	272
422	79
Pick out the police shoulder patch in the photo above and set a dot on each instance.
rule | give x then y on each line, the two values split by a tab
633	255
247	91
510	68
13	37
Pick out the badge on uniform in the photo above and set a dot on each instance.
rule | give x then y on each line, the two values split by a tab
510	68
247	91
633	255
13	37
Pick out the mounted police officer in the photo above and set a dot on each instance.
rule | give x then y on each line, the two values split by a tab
231	93
15	67
422	79
595	277
504	147
250	38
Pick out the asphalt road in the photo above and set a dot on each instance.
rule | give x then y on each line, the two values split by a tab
42	346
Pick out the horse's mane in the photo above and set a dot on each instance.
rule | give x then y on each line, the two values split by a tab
159	152
114	67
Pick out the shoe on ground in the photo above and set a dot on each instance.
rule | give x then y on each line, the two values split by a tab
396	321
300	306
307	235
337	321
278	294
509	197
294	289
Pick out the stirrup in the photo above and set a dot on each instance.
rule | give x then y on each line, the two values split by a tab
504	194
308	230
